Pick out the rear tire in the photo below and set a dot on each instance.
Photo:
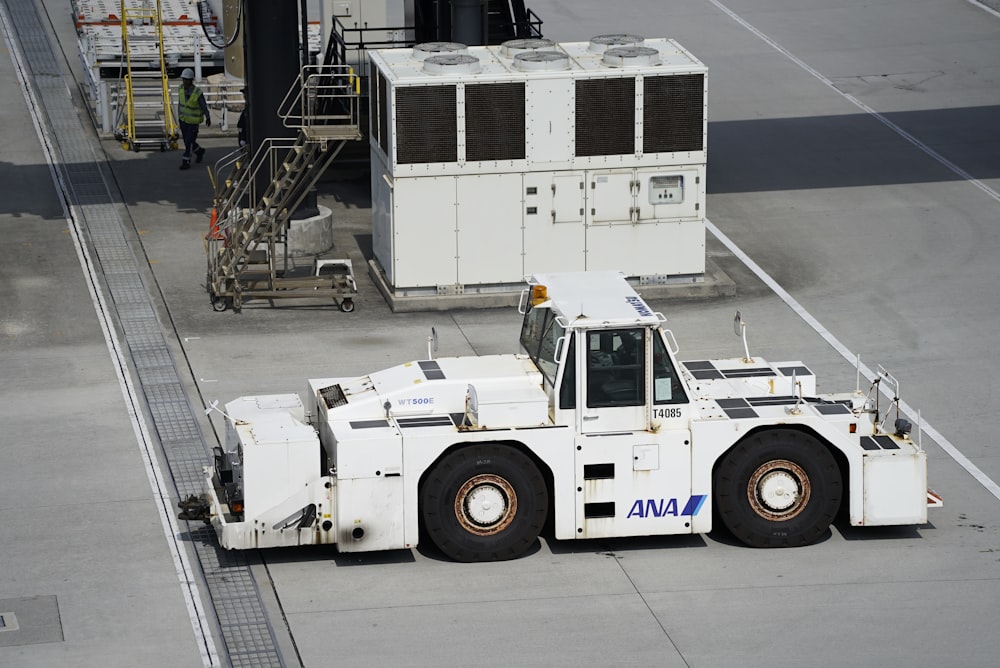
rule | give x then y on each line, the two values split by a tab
484	503
778	488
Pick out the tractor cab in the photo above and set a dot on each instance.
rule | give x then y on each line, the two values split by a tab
604	356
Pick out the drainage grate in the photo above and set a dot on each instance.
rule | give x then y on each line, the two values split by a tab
245	629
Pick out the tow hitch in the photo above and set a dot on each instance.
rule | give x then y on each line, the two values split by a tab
194	508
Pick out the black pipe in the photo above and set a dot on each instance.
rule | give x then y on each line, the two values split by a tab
304	18
270	53
272	60
468	20
443	28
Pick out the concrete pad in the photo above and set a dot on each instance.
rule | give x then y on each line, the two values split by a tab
892	252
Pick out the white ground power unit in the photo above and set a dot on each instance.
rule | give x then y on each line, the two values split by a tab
489	164
596	426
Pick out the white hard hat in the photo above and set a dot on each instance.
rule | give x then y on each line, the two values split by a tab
188	73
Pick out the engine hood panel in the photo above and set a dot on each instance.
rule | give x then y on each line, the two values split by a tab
756	377
422	388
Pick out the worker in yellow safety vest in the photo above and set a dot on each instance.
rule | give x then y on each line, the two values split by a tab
191	111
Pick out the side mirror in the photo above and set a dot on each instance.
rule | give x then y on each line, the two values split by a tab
432	344
740	329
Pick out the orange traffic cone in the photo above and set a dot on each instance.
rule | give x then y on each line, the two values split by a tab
214	234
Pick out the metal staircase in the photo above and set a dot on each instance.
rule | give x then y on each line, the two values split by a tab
145	116
247	249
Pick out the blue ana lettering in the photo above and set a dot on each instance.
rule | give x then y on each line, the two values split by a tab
639	305
644	508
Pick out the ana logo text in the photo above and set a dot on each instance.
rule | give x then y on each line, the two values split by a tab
662	507
639	306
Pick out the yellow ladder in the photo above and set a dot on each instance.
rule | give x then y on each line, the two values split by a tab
145	117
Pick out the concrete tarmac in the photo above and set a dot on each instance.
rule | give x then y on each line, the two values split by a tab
853	157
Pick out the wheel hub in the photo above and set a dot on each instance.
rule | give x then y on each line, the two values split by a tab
485	505
778	490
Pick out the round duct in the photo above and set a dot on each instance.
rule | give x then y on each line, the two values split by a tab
512	47
541	61
428	49
602	43
631	56
451	63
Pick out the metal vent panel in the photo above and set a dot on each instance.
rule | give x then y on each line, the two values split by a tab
426	124
333	396
494	121
673	113
432	370
598	471
736	408
383	113
753	372
429	421
605	116
833	409
595	510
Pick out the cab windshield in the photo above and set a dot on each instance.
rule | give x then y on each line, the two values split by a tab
540	332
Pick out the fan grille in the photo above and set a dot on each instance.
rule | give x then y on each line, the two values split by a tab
605	116
673	113
426	124
494	121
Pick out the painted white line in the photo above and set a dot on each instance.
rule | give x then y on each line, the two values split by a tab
945	444
986	8
861	105
799	310
185	574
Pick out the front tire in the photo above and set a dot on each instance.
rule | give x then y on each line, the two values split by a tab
484	503
778	488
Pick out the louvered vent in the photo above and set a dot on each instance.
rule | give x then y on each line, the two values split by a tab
373	104
541	61
383	114
673	113
494	121
451	64
428	49
605	116
426	124
631	56
512	47
602	43
333	396
379	110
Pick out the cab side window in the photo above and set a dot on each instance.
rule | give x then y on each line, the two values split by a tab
667	388
616	364
567	391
